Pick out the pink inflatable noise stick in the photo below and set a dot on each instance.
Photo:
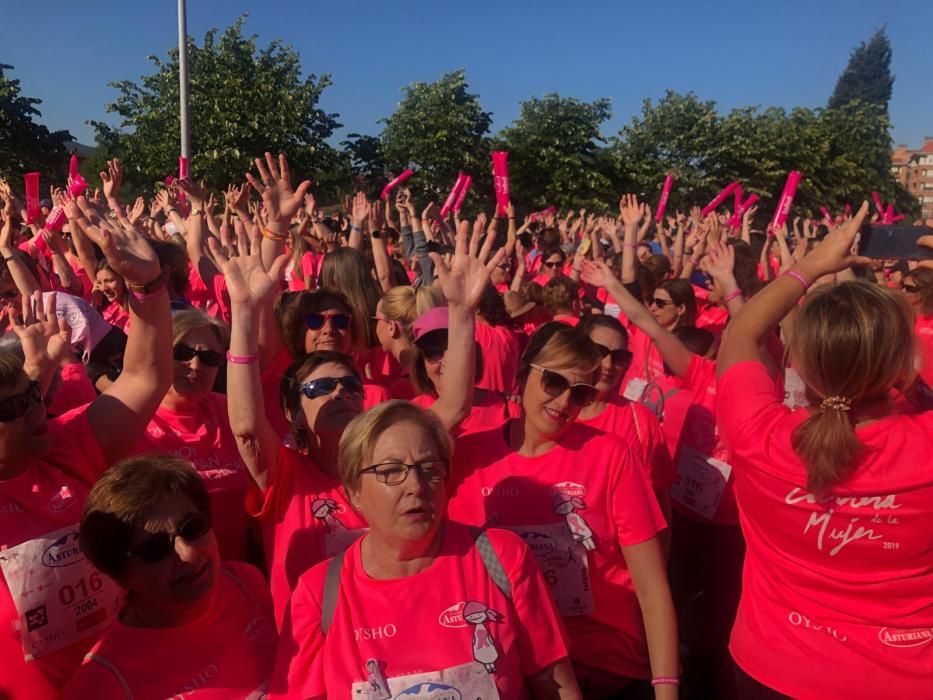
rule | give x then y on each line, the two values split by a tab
662	203
452	197
786	200
404	175
888	217
78	184
463	192
736	219
827	217
719	198
500	171
55	221
878	205
33	212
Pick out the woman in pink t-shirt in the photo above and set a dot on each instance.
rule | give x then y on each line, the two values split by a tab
918	288
189	626
191	422
581	499
112	288
419	604
298	499
835	497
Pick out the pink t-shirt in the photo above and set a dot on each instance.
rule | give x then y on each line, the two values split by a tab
227	652
923	329
837	593
647	363
501	352
271	380
53	603
305	518
490	412
575	506
117	316
638	427
74	389
422	629
311	265
202	436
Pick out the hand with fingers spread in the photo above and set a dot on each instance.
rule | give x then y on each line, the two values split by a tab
249	282
112	179
464	280
280	201
360	210
834	252
44	336
139	206
126	250
597	273
630	211
719	262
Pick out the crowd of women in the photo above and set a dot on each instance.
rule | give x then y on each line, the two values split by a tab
294	451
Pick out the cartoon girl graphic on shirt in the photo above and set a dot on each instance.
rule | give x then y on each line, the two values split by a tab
567	506
324	509
484	646
378	687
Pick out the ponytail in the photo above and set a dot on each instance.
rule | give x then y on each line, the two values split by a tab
829	448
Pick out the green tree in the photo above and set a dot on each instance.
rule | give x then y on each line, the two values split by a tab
367	161
555	155
867	77
26	146
438	129
243	101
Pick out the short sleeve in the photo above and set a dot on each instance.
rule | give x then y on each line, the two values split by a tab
748	403
95	680
541	639
272	503
73	446
299	660
634	507
700	374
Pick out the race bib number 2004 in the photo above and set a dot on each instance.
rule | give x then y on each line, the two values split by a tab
59	596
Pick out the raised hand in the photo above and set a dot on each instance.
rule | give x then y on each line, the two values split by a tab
719	262
112	179
597	273
630	210
360	210
126	250
464	280
249	282
376	216
280	200
834	253
45	336
197	193
139	206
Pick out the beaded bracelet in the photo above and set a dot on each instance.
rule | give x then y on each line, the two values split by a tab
241	359
800	278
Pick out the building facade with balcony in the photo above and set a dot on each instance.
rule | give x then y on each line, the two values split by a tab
914	170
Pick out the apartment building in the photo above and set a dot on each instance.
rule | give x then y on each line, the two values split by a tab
914	170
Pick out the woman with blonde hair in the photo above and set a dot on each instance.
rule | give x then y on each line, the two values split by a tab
834	498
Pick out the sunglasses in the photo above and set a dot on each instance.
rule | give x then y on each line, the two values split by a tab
910	288
433	353
159	545
555	384
16	407
660	303
339	321
326	385
558	263
619	357
8	295
184	353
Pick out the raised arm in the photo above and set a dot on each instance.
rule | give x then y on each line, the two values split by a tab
359	218
630	212
381	259
719	264
22	277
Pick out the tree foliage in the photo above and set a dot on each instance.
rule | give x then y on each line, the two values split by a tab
867	77
367	161
26	146
555	155
244	100
438	129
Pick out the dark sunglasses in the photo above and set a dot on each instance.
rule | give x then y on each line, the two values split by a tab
15	407
910	288
553	264
184	353
433	353
159	545
339	321
326	385
555	384
8	294
660	303
619	357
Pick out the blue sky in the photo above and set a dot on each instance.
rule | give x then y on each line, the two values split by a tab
741	53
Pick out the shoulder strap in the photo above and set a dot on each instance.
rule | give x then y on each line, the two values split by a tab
653	398
641	441
113	669
491	561
331	591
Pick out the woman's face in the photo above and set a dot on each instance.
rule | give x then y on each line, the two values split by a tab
553	266
912	291
24	429
384	329
502	273
196	376
643	252
551	416
610	371
664	310
110	285
413	509
329	414
331	331
434	354
179	585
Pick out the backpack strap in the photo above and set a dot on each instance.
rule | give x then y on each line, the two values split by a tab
641	441
331	591
491	561
653	398
106	663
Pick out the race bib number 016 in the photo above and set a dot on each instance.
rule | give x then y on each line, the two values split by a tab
700	483
59	596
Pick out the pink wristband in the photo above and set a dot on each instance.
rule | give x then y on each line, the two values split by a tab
734	295
665	680
629	245
147	296
800	278
241	359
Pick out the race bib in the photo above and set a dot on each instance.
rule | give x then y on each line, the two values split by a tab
795	391
564	565
460	682
613	310
634	389
340	540
700	483
59	596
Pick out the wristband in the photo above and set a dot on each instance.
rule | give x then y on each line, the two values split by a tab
665	680
277	237
148	288
694	262
733	295
356	227
629	245
800	278
140	296
241	359
196	212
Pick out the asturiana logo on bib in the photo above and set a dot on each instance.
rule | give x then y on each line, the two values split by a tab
905	637
431	691
63	552
539	543
453	616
